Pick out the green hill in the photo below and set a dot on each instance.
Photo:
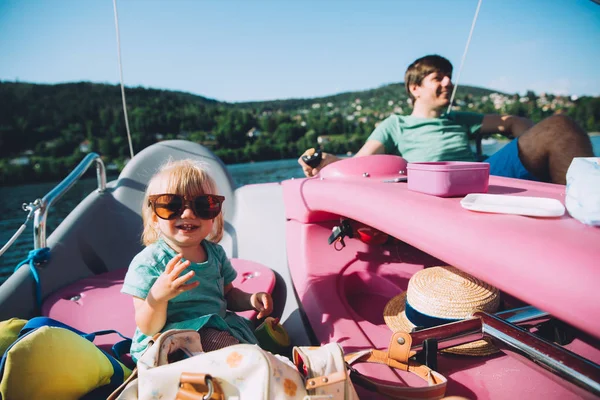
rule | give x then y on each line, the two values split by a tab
381	95
45	130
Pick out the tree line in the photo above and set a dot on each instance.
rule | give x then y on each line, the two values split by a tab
46	130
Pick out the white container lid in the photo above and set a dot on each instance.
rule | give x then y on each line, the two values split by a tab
518	205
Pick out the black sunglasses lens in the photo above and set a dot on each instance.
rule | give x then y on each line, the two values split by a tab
168	206
207	207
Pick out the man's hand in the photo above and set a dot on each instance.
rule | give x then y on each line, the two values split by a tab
263	303
506	125
310	171
169	284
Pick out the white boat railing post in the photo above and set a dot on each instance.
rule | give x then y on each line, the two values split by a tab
41	213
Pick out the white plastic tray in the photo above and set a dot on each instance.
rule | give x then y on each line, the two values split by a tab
520	205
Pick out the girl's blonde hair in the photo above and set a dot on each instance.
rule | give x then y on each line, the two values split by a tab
188	178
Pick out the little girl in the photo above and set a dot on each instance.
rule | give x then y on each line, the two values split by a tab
183	279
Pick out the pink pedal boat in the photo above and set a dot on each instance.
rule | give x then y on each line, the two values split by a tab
549	264
547	269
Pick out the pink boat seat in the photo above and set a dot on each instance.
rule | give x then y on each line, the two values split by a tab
96	303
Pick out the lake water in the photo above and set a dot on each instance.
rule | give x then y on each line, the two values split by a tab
12	197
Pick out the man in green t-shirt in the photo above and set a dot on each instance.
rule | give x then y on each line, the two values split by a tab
539	152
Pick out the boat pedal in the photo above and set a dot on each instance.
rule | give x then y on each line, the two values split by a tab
428	355
556	331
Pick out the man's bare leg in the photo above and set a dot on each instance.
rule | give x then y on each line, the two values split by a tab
547	148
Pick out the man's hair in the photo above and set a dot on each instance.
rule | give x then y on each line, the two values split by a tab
423	67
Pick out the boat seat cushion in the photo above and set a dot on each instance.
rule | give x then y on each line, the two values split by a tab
96	303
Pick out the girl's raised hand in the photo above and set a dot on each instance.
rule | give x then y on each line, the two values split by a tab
169	284
263	303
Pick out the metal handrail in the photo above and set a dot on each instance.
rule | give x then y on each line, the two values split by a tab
41	213
561	365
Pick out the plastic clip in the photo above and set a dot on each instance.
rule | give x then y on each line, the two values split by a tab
338	233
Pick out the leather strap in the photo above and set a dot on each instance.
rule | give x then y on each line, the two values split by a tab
317	382
196	386
397	356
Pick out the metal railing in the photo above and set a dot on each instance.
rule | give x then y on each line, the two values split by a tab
561	365
41	212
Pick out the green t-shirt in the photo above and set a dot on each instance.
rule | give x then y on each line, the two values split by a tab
429	139
203	306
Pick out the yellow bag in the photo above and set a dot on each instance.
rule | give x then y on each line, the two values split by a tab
9	332
56	363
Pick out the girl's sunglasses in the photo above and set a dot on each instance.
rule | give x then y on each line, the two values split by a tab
171	206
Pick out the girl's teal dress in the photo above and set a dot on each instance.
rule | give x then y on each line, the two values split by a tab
203	306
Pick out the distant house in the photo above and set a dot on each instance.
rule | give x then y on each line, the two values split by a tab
209	141
211	144
51	143
323	139
85	146
252	133
20	161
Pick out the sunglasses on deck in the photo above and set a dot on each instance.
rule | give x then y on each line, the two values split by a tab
171	206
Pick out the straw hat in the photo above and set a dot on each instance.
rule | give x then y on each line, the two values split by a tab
440	295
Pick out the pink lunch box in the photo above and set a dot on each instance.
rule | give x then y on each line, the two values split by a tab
448	178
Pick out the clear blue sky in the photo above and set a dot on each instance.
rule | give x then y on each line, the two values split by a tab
271	49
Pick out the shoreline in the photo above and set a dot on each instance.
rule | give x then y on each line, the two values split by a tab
499	139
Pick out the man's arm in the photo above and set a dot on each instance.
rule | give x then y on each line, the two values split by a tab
369	148
506	125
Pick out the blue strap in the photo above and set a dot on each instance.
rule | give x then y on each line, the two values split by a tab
38	322
108	332
37	256
119	349
118	375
